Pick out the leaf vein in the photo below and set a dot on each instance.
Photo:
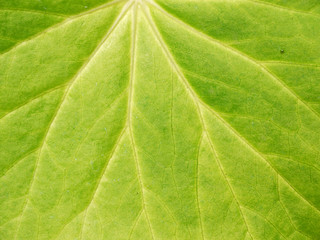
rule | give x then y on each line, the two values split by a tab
121	15
199	101
239	53
67	20
188	87
130	103
95	191
284	8
33	99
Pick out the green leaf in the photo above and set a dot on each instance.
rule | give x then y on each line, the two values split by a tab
167	119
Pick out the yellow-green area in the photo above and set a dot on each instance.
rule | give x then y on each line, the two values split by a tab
159	119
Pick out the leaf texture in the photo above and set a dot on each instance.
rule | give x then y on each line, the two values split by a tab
159	119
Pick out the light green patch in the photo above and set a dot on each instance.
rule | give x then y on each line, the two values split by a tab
159	119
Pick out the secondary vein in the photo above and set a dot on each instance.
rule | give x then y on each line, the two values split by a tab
130	105
59	107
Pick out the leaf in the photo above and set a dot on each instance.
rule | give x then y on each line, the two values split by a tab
159	119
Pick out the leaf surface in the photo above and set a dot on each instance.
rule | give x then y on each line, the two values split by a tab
159	119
